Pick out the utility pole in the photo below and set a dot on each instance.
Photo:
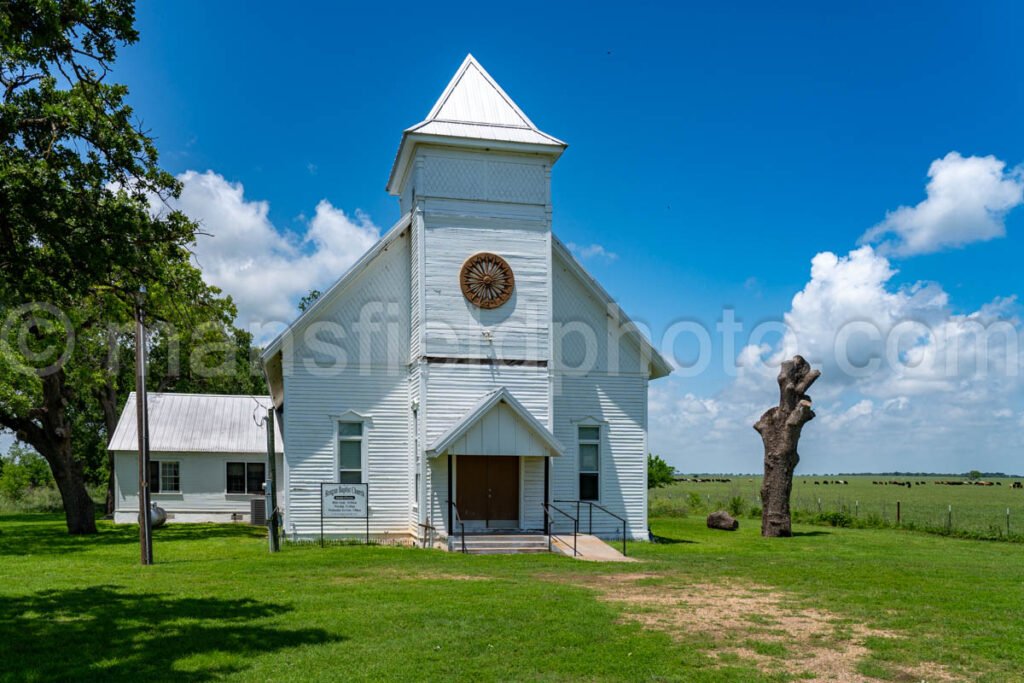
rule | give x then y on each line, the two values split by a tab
142	411
271	492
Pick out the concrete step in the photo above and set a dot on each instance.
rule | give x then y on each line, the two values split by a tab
503	550
500	544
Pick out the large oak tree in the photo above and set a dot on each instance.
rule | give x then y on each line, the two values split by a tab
78	236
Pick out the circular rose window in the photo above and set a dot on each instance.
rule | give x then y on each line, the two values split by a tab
486	280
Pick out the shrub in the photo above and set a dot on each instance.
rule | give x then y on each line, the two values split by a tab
24	471
659	472
840	519
737	506
667	507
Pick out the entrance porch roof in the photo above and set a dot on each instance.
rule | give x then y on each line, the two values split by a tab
499	423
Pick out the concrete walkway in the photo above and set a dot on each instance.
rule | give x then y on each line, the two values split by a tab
590	548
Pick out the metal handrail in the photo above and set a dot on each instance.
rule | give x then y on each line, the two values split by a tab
452	507
428	533
548	520
590	520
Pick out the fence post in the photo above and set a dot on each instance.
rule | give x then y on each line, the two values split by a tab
899	518
857	508
819	506
949	519
1007	522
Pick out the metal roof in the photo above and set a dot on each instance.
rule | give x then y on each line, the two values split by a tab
198	423
473	108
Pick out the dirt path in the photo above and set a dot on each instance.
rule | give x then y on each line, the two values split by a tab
754	623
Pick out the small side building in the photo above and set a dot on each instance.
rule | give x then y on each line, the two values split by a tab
208	457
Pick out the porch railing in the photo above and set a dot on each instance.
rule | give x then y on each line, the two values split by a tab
429	532
590	517
549	520
453	514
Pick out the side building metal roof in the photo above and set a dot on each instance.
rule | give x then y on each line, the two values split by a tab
198	423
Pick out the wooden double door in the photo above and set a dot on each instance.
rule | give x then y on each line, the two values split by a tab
487	491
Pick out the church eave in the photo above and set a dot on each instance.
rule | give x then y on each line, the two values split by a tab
410	140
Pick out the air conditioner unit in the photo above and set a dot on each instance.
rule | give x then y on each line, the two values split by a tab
258	512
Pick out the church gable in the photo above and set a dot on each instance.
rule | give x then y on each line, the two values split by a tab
591	332
497	425
362	320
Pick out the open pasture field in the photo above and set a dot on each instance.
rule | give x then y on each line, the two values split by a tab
978	509
835	604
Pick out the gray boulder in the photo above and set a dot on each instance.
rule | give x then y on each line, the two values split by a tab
722	520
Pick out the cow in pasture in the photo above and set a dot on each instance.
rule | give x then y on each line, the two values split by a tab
1017	485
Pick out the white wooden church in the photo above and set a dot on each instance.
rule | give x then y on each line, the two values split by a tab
466	368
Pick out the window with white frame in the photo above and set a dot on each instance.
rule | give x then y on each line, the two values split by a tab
246	477
164	476
350	452
590	461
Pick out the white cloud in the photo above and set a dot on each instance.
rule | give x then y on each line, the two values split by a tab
967	201
858	412
935	396
887	341
591	251
264	269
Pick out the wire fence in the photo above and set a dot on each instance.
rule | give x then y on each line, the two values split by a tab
989	519
967	515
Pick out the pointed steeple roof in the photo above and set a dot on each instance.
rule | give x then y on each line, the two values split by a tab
474	108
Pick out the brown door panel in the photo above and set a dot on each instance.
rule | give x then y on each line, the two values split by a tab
503	484
471	487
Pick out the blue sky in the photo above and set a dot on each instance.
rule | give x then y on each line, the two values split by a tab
714	150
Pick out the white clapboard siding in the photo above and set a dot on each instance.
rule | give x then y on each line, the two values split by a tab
532	513
374	384
203	482
499	431
519	329
437	513
584	332
621	403
474	176
415	287
482	176
415	447
452	390
367	325
313	407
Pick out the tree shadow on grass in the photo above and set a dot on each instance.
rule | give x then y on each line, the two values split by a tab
107	633
811	533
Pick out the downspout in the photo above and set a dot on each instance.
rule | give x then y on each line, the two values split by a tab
420	494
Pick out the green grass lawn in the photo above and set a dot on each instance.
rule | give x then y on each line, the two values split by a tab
217	606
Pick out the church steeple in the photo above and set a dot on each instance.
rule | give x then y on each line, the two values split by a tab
474	111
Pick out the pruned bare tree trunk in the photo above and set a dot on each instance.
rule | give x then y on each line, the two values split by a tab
780	429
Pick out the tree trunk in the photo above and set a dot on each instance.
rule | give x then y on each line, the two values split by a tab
79	508
51	437
780	429
108	402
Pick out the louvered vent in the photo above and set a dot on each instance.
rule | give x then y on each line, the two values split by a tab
258	512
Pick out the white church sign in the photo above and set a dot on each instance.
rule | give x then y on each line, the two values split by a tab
343	501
